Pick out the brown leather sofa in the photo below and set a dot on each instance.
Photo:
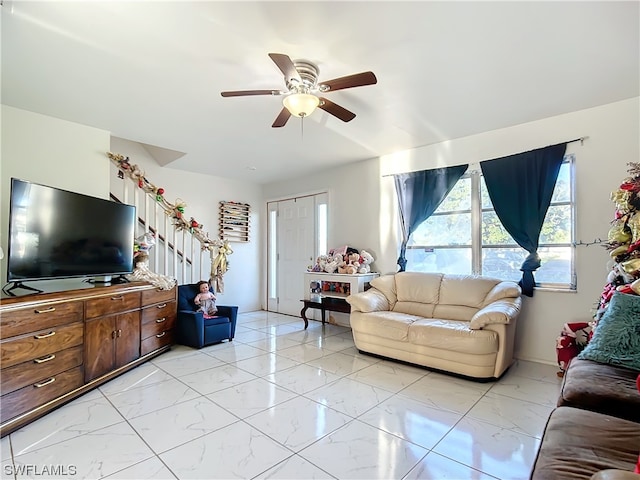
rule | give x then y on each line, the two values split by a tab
601	388
594	433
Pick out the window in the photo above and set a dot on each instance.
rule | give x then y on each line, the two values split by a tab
322	221
465	236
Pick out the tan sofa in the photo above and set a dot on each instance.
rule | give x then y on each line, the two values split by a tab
456	323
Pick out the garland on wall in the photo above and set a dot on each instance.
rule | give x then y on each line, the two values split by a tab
218	249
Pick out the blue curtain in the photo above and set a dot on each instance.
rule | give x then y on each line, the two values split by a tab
419	195
520	187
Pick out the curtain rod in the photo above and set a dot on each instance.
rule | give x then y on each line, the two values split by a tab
579	139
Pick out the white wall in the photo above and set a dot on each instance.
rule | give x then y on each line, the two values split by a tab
202	193
52	152
363	210
362	200
67	155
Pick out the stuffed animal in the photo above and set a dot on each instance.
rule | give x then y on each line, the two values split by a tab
366	259
351	264
321	262
572	340
333	263
338	251
348	268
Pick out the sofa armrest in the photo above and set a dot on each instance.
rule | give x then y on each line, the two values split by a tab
190	328
501	311
232	314
372	300
614	474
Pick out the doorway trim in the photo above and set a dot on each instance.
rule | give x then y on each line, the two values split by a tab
321	197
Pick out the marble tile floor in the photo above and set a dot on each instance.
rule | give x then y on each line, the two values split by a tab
280	402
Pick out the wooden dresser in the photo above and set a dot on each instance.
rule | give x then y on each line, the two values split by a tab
158	319
56	346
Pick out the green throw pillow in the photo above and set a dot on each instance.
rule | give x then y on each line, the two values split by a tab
616	339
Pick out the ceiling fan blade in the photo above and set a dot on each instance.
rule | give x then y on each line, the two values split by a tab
336	110
286	66
282	118
243	93
350	81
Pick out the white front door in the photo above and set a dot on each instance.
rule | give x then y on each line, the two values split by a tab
296	250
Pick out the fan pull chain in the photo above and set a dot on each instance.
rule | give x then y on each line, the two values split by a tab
302	127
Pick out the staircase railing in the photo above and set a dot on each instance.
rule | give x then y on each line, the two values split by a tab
182	249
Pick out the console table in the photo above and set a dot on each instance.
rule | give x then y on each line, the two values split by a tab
328	291
323	304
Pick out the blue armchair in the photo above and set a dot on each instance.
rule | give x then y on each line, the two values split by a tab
193	329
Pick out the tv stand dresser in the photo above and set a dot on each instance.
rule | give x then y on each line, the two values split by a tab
55	347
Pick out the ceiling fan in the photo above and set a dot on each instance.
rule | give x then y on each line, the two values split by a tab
303	93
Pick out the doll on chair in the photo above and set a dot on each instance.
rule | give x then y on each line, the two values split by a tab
205	300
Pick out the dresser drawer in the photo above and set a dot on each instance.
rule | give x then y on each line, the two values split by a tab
159	311
99	307
31	319
158	326
40	369
156	341
149	297
39	393
40	344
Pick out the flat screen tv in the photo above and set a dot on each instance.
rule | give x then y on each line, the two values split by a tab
54	233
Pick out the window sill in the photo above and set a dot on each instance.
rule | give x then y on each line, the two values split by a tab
556	289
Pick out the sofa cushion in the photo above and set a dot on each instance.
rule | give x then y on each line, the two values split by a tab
415	308
454	312
370	301
466	290
453	335
502	290
217	320
601	388
387	285
417	293
391	325
616	339
418	287
499	312
578	443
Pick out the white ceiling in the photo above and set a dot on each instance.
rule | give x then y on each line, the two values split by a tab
152	72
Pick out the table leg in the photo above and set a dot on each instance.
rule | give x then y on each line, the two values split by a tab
304	316
323	311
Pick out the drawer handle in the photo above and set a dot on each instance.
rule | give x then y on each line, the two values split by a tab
119	333
44	335
45	359
46	310
43	384
160	320
121	297
161	305
160	335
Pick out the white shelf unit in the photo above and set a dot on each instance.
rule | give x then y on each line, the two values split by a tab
335	285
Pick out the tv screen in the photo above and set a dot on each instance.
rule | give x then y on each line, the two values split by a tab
55	233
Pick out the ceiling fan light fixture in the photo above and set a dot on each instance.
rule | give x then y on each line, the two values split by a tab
301	104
